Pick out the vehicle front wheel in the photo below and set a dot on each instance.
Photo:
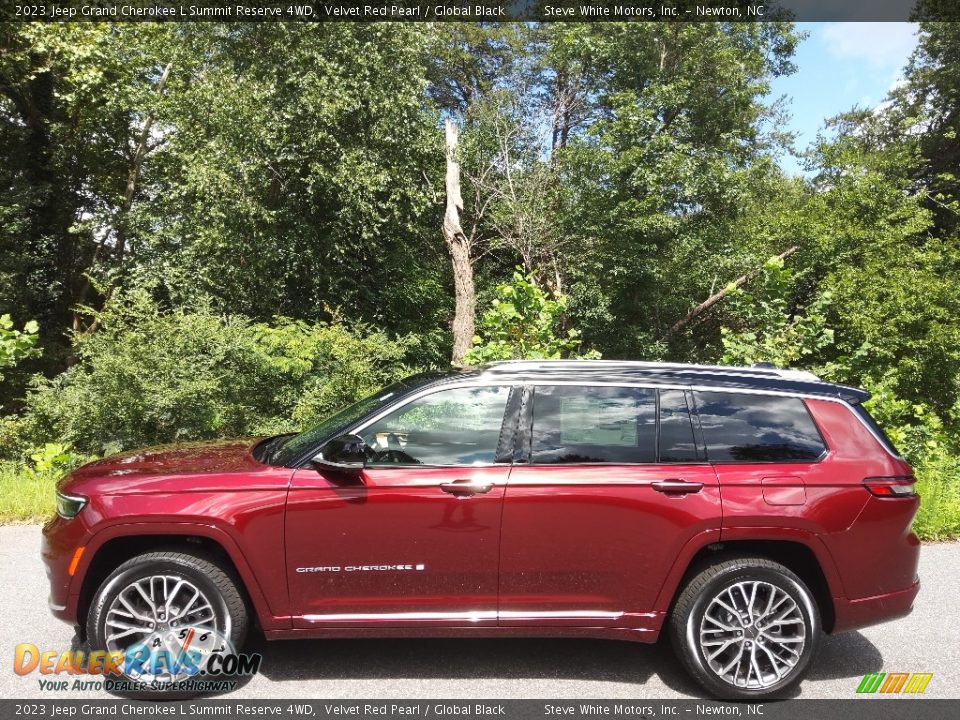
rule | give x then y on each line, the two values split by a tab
746	628
168	612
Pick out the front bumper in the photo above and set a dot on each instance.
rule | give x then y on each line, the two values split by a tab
60	540
853	614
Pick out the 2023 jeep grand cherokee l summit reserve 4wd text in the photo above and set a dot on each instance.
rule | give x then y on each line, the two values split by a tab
745	511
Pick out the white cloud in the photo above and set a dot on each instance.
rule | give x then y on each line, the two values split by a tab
881	44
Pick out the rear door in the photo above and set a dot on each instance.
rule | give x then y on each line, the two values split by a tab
613	485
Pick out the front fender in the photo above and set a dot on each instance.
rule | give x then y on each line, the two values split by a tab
272	616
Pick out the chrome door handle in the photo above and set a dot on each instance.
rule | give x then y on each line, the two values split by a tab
466	487
677	486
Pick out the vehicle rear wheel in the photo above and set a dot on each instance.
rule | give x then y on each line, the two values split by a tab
746	628
168	612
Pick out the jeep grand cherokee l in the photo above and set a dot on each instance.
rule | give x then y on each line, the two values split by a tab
743	511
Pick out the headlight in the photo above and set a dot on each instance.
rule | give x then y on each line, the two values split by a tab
69	505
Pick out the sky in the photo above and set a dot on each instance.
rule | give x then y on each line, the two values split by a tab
841	65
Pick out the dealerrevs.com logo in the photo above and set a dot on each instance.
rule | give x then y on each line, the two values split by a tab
894	683
198	662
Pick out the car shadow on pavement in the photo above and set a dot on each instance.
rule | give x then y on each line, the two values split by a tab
848	655
475	659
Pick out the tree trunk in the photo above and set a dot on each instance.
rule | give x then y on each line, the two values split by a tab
458	246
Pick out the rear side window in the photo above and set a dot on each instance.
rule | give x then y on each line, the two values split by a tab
594	424
741	427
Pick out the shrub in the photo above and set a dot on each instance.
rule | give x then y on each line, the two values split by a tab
766	329
148	377
16	345
523	322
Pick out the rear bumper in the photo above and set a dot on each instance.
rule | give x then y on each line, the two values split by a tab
853	614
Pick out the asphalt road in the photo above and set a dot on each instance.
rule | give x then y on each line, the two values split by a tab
926	641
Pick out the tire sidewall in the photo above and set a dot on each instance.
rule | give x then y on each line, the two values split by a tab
784	580
123	576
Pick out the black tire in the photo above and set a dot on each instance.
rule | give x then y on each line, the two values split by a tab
219	586
687	619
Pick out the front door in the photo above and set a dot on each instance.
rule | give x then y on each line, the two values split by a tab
414	538
594	520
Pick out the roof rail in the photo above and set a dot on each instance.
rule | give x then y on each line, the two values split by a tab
755	370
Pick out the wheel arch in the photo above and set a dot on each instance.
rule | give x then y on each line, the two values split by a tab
805	556
117	544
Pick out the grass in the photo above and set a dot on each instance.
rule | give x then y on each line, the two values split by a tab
938	483
24	495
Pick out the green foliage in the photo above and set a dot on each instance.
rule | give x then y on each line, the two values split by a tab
938	484
930	446
27	486
149	377
523	322
278	252
15	345
766	330
675	150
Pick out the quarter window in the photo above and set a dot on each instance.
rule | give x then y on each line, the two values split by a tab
459	426
741	427
594	424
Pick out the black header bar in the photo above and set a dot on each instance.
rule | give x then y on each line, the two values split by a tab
467	11
854	708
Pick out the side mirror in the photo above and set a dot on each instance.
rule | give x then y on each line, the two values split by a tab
345	453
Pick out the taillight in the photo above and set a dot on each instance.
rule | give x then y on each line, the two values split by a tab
891	487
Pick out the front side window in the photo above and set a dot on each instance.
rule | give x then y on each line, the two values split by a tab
459	426
741	427
594	424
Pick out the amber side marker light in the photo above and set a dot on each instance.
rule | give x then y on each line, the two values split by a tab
77	554
891	487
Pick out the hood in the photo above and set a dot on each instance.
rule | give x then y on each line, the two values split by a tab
150	469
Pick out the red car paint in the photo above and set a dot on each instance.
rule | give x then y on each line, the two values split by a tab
573	550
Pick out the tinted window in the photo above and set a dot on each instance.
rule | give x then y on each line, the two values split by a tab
676	428
594	424
459	426
290	448
757	428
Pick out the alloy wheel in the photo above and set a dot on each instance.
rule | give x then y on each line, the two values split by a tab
168	617
752	634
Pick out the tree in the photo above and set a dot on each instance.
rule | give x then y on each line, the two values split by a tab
458	245
766	329
675	143
71	99
524	322
474	66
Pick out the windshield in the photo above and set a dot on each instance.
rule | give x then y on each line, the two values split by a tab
297	445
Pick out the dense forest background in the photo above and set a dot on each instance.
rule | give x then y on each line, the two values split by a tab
211	230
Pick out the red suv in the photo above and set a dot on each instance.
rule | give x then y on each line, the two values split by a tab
745	511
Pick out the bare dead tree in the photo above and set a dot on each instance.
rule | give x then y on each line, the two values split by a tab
458	245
